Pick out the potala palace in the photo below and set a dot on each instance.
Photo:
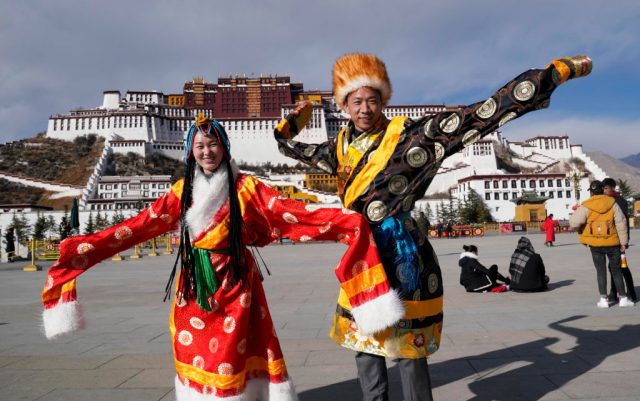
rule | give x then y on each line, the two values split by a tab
148	121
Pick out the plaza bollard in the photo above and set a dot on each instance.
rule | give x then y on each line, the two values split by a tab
136	253
32	267
169	250
153	248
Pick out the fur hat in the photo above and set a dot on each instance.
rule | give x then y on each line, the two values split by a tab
353	71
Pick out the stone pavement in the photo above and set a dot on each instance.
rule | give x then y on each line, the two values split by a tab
548	346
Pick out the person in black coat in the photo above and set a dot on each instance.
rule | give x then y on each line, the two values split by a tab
527	269
474	276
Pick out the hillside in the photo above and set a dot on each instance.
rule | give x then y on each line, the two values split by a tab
633	160
14	193
617	169
154	164
52	159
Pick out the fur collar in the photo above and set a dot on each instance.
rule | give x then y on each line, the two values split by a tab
209	195
468	255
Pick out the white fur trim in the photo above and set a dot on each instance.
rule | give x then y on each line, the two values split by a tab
468	255
256	389
209	194
359	82
379	313
63	318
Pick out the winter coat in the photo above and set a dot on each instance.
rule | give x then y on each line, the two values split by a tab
526	268
473	275
600	204
549	227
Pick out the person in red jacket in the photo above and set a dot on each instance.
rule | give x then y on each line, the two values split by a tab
549	227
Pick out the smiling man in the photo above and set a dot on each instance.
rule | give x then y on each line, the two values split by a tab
382	167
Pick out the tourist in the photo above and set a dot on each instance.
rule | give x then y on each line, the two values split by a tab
224	342
527	269
474	277
549	226
610	190
382	167
603	228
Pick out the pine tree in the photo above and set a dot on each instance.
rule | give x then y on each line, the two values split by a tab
474	210
52	228
21	227
117	218
429	212
40	227
100	222
90	228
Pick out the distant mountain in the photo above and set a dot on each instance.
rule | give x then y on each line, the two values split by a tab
633	160
618	169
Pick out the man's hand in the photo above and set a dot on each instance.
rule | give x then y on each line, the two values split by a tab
301	106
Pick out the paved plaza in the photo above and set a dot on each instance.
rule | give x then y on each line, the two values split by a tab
554	345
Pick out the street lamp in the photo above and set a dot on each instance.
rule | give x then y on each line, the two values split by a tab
574	175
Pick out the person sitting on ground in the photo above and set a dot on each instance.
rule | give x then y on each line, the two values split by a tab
477	278
527	269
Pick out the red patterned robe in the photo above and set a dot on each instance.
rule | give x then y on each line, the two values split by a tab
232	352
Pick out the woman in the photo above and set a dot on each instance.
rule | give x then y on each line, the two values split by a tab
477	278
527	269
549	227
224	341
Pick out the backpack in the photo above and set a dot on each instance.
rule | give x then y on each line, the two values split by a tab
600	229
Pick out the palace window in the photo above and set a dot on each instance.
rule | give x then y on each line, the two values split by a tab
541	182
487	196
559	194
514	184
496	196
532	183
505	196
549	183
558	182
523	183
505	184
495	184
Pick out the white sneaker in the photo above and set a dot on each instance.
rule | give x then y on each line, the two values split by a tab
625	302
603	303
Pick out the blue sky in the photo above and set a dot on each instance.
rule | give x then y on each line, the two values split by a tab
59	55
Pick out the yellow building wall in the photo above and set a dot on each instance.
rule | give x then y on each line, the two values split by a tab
525	212
176	100
321	182
292	192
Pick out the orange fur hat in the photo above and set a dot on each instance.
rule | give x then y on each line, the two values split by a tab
353	71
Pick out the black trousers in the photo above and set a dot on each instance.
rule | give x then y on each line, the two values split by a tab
628	280
414	375
599	256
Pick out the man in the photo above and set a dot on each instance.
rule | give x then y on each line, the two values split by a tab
610	190
603	228
382	167
64	228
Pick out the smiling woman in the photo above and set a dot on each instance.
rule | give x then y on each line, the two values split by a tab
224	342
